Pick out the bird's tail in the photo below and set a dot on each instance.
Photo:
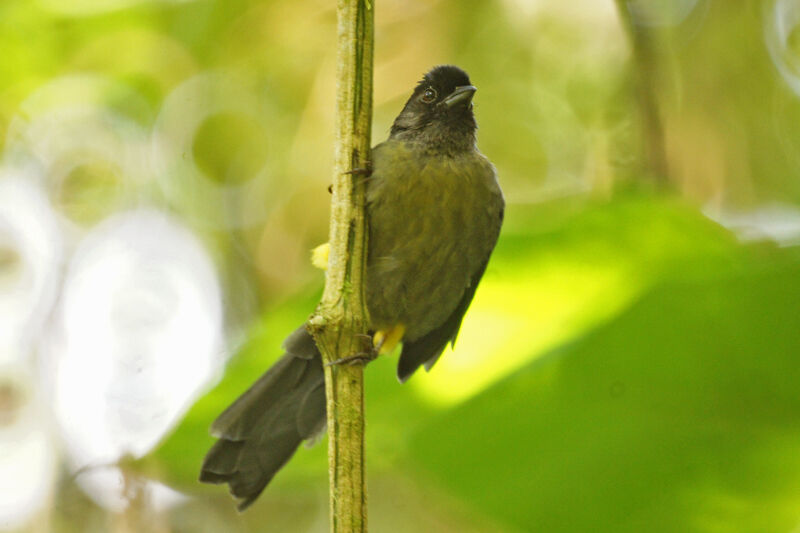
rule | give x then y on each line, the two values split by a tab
262	429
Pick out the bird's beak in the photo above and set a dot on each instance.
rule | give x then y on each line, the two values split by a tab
461	95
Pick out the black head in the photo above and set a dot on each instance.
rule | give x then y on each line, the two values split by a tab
439	112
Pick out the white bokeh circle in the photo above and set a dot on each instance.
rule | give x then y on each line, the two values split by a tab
137	336
31	243
27	453
68	123
182	114
781	22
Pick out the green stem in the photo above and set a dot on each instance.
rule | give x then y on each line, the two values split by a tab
644	57
340	322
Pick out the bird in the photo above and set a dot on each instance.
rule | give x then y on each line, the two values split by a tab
434	210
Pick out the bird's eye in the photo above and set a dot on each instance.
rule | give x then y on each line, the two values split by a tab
429	95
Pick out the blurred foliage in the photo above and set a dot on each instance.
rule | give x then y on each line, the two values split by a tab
664	419
635	423
628	363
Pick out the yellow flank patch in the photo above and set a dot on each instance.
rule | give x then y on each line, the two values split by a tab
319	256
385	340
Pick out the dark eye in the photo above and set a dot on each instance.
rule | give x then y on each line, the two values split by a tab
429	95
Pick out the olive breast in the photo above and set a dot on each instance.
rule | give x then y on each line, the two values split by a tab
433	222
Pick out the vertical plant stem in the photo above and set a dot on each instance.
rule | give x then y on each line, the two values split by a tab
340	322
644	57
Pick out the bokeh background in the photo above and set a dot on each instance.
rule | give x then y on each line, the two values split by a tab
630	361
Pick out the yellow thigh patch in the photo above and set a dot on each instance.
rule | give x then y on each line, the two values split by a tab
385	340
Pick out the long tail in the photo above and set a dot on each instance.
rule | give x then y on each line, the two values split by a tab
262	429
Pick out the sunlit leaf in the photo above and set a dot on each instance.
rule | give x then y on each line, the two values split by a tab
679	415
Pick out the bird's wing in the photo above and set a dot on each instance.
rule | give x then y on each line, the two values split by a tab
427	349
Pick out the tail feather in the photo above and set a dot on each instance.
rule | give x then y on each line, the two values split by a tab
262	429
309	421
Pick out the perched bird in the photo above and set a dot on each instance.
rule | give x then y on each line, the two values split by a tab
434	210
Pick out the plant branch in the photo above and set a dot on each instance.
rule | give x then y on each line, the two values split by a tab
341	319
644	57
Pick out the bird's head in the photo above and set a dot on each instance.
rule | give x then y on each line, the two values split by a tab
439	112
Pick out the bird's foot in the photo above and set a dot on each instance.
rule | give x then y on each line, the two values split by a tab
360	358
383	342
365	172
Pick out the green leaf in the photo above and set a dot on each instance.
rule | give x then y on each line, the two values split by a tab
682	414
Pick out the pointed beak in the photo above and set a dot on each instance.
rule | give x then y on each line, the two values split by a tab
461	95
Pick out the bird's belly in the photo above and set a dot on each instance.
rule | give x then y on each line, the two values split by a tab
422	252
418	287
